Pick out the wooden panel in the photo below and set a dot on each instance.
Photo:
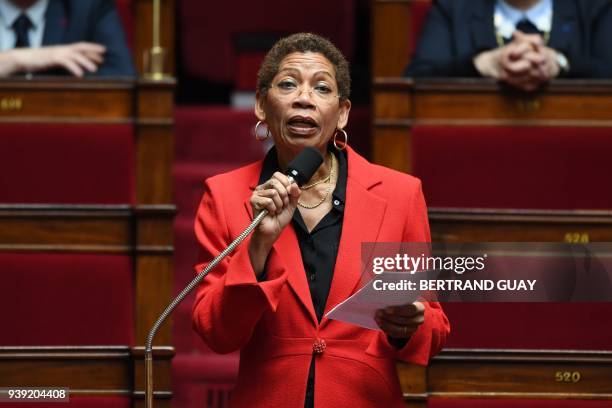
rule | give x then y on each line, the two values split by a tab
390	42
65	228
156	101
66	100
144	231
477	225
85	370
154	228
143	31
393	103
154	143
401	103
77	368
391	148
482	101
539	373
462	373
154	283
162	358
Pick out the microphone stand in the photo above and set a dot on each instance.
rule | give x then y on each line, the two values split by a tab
300	169
160	320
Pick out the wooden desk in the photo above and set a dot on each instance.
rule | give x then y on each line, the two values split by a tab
401	103
142	231
540	374
456	225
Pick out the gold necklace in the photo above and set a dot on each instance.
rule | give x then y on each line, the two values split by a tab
323	180
331	176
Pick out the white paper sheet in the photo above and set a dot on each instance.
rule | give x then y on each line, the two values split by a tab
360	308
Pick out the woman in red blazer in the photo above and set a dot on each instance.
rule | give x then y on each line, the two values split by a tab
268	299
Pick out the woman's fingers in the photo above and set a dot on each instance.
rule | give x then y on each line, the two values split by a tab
396	330
401	321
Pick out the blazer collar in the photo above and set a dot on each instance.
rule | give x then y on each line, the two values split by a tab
56	21
363	216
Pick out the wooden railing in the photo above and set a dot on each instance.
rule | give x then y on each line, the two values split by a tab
401	103
512	373
142	231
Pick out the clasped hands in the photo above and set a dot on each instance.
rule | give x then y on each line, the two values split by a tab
525	63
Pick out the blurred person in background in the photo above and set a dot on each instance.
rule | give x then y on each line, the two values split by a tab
69	37
524	43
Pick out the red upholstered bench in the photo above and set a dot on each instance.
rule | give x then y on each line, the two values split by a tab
216	134
203	381
66	299
514	167
547	326
210	29
67	163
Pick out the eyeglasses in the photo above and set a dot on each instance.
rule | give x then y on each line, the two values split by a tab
321	90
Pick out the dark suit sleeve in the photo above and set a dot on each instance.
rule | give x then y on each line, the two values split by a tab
435	54
594	59
108	31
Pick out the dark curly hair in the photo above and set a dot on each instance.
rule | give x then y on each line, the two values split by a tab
304	42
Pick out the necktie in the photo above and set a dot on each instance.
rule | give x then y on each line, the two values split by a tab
22	26
527	27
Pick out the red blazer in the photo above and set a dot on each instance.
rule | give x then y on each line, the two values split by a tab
273	323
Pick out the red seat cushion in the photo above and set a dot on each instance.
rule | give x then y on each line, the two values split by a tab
203	381
570	326
247	66
514	167
216	134
71	164
66	299
208	30
189	184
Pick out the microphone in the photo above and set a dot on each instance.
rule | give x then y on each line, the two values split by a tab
304	166
299	171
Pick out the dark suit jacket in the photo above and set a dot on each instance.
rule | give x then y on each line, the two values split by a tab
70	21
457	30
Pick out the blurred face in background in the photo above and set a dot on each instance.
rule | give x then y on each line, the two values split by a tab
302	107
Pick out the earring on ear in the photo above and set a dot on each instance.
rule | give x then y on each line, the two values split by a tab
342	144
258	134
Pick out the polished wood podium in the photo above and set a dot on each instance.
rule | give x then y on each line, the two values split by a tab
141	231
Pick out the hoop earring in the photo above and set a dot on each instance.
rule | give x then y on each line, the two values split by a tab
342	145
257	136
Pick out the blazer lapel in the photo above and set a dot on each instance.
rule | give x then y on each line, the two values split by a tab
55	23
363	215
563	25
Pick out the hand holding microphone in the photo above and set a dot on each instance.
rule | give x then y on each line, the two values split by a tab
278	197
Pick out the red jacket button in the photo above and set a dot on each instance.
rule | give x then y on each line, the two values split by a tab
319	346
